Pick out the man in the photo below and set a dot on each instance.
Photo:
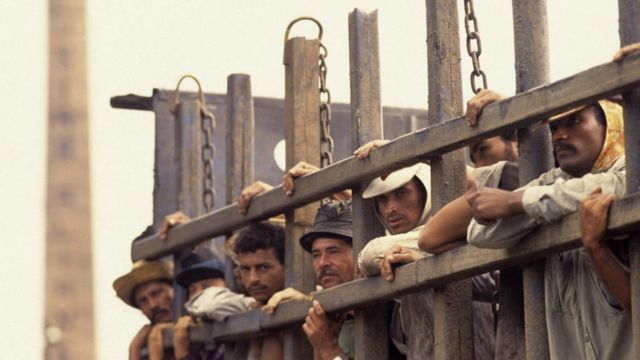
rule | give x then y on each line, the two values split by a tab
147	287
330	246
402	205
585	287
259	252
203	278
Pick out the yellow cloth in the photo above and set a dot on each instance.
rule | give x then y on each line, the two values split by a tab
613	146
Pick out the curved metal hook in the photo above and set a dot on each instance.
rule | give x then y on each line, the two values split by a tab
176	96
286	34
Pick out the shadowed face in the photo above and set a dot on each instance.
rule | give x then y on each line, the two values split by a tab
401	208
154	299
490	151
577	141
199	286
261	273
332	261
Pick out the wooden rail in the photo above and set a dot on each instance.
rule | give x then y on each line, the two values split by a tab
518	111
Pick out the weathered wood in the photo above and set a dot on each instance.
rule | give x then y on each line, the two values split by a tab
302	136
452	314
371	324
629	29
240	147
517	111
530	30
431	271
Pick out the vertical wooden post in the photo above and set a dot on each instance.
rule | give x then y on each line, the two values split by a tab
453	327
302	136
371	327
629	12
532	69
240	145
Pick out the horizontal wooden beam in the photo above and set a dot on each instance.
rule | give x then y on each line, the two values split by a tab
454	265
521	110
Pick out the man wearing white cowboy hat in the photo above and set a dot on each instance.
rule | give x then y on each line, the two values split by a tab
147	287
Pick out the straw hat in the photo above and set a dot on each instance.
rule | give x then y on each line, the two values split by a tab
142	272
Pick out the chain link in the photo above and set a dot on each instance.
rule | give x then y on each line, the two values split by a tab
208	150
473	35
326	141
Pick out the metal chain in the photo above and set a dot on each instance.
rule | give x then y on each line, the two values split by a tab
208	151
474	34
326	141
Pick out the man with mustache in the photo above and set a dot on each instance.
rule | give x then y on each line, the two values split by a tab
330	246
586	289
147	287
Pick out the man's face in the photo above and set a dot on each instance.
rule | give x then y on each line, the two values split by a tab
490	151
154	299
401	208
332	261
199	286
577	141
261	273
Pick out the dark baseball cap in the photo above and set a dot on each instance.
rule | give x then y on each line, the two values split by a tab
333	220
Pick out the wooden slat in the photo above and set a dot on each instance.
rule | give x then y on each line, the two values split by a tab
518	111
531	43
302	135
371	324
452	332
437	270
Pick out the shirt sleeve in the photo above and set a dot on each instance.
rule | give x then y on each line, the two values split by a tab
372	254
551	203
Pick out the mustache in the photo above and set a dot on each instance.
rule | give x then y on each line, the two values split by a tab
256	287
327	271
563	146
156	312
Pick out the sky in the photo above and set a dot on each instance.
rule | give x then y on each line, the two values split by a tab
135	46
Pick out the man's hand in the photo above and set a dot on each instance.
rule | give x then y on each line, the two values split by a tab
244	200
478	102
138	342
365	150
300	169
625	50
322	333
172	220
283	295
593	218
181	337
488	204
154	341
397	255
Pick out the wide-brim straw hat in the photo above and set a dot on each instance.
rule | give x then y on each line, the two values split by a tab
142	272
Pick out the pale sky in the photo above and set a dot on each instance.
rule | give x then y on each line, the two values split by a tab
135	46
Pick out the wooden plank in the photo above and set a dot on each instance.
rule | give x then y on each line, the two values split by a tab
239	160
302	136
432	271
452	315
371	323
531	40
629	11
517	111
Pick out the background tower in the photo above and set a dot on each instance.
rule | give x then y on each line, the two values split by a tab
69	327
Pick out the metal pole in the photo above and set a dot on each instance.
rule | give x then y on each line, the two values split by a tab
453	326
629	12
302	136
371	327
240	146
531	40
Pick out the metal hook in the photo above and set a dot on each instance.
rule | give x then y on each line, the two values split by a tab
286	34
176	96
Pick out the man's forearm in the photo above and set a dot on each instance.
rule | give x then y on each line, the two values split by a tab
612	272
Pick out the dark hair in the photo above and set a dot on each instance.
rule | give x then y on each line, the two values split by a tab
599	114
259	236
506	137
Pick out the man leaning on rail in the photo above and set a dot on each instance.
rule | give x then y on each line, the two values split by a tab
330	246
147	287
